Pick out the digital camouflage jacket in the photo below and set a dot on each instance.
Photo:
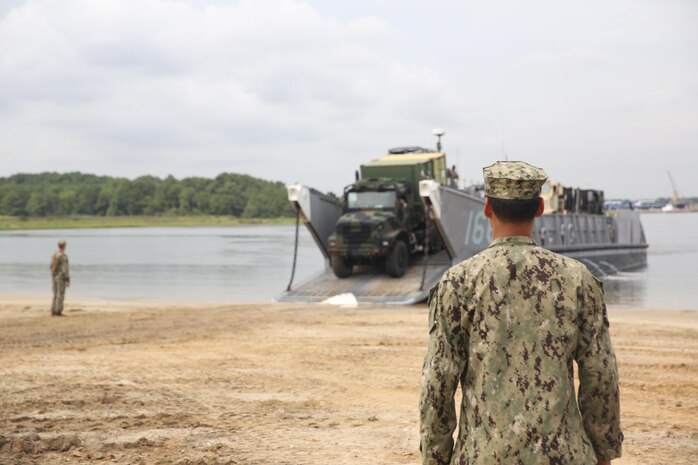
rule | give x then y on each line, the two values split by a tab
59	266
507	325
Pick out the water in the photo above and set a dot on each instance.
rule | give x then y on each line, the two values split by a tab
253	263
670	279
241	263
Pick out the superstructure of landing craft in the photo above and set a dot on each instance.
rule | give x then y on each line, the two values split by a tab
574	225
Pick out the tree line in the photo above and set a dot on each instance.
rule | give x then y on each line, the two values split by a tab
63	194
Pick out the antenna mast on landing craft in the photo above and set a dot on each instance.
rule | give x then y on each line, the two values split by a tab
439	134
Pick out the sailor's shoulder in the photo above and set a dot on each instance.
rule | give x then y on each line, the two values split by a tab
563	262
463	268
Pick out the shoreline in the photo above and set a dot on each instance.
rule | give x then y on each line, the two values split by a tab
8	223
82	301
245	383
94	302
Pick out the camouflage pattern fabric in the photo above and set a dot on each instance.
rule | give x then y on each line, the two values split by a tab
59	286
361	231
507	325
513	180
60	274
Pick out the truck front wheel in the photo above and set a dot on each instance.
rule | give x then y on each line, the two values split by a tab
341	266
397	260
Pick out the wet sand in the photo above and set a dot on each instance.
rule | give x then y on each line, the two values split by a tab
178	383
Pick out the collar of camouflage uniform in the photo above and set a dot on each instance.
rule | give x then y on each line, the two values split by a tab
513	240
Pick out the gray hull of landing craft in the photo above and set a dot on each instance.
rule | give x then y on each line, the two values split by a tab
606	244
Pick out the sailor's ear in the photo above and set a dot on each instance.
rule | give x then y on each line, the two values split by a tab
488	208
541	206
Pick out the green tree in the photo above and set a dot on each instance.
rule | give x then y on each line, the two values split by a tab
14	202
39	203
187	200
86	194
67	202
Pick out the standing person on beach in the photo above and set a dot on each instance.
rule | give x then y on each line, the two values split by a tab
507	324
60	275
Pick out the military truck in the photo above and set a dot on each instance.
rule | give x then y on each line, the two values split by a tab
383	221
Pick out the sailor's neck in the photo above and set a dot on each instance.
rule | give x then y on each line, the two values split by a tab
501	230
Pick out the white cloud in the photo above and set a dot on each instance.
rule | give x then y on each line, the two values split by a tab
160	86
307	90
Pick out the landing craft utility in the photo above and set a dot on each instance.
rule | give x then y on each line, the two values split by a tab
451	224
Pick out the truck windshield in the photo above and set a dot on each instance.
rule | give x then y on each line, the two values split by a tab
371	199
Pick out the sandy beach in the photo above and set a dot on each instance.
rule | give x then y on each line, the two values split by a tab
185	383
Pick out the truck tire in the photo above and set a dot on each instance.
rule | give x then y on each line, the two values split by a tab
435	242
397	260
341	266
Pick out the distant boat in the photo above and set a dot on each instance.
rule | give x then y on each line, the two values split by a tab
650	204
675	207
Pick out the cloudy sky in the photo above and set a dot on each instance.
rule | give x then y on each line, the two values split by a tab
599	93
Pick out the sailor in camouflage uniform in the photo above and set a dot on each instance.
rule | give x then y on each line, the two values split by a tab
508	323
60	275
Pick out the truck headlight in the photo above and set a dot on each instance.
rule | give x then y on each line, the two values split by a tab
386	243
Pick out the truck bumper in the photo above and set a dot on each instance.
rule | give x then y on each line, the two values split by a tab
361	252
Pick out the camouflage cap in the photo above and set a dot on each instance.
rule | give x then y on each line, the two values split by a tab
513	180
61	243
